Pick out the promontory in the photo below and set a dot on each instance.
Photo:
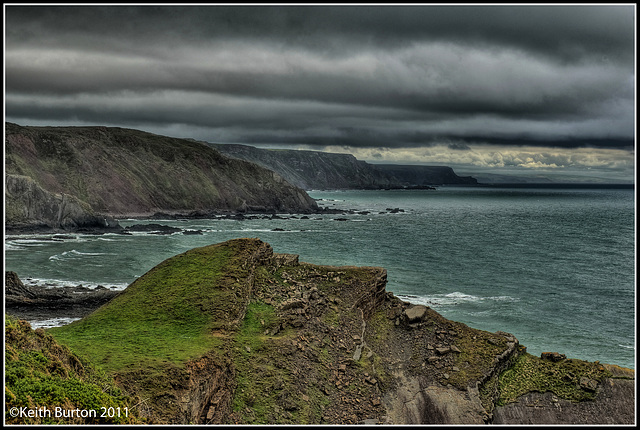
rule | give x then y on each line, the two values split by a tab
70	177
234	333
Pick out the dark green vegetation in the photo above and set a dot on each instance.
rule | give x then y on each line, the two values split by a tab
234	333
116	171
530	373
41	373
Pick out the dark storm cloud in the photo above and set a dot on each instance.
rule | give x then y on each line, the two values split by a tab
564	31
370	76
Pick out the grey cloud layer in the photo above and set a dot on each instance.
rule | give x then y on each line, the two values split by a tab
356	76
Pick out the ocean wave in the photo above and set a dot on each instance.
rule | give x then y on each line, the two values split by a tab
57	283
52	322
26	242
13	247
451	299
153	233
76	254
21	244
114	239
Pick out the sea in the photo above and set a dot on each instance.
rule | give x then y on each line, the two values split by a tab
553	266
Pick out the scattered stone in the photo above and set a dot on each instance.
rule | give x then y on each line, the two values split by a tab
588	384
443	350
553	356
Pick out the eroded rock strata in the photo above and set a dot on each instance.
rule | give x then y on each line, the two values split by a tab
275	340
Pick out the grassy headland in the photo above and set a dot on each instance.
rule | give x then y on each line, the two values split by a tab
233	333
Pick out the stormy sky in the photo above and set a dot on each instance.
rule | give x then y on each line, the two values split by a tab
539	90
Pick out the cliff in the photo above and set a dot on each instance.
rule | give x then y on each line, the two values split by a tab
63	176
321	170
29	206
235	333
415	175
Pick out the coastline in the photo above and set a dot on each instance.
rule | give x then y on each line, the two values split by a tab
453	294
407	363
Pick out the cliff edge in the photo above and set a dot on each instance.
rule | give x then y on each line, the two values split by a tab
66	177
313	170
235	333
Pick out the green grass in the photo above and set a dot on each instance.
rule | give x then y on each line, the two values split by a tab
259	317
478	350
165	316
41	374
259	381
530	373
185	307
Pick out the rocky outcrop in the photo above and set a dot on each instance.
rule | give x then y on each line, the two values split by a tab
276	341
29	206
312	170
40	301
77	172
613	405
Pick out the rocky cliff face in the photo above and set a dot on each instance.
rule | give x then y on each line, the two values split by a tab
320	170
29	206
614	404
235	333
312	169
410	175
115	171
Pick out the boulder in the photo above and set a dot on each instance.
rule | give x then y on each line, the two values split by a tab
415	313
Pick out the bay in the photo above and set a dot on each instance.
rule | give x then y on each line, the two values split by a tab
555	267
